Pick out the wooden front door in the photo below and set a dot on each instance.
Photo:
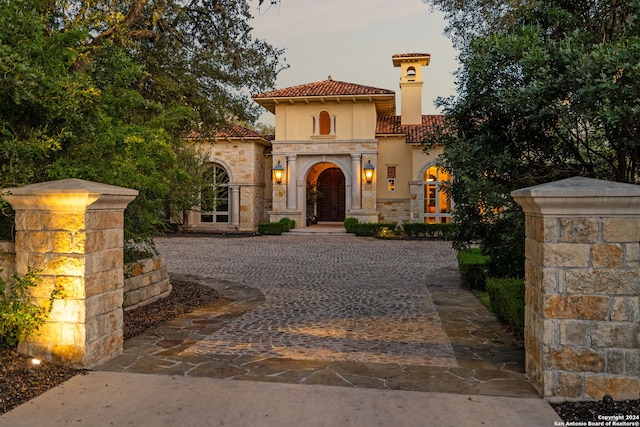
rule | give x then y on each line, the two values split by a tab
331	201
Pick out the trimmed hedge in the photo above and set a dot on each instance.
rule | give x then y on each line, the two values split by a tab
423	229
507	301
375	229
287	224
472	266
349	224
271	228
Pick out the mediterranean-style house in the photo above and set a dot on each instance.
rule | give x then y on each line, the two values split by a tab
339	151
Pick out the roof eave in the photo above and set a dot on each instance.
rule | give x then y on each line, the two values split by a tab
384	102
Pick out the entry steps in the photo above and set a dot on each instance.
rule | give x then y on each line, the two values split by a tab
322	229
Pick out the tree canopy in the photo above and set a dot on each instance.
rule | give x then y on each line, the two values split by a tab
106	90
551	92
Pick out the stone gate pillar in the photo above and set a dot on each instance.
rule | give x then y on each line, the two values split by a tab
582	281
71	232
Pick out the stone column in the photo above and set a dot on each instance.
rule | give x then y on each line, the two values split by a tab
356	181
71	233
416	201
582	281
234	205
292	200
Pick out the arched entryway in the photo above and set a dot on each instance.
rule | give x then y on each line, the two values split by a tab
331	195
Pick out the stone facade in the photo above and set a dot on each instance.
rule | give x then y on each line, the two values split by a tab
582	276
7	260
71	233
394	210
145	281
243	158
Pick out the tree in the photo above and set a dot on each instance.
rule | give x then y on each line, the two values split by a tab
196	53
475	18
106	90
553	94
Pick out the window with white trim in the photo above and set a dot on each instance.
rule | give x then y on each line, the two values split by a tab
214	197
437	203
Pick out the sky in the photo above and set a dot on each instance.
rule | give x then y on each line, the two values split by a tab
354	40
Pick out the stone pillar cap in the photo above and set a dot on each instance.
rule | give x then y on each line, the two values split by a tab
580	196
69	194
70	186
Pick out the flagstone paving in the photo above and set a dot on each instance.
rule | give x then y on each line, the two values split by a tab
335	310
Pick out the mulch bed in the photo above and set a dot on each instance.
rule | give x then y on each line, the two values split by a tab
628	410
21	381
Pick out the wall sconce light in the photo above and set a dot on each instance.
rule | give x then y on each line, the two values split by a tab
368	172
278	172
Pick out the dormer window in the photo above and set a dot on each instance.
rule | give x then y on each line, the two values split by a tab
324	124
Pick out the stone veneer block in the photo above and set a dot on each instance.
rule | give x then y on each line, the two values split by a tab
582	281
71	231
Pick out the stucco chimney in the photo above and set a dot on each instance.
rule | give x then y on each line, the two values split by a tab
411	85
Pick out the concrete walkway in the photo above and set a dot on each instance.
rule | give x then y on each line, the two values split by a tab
386	321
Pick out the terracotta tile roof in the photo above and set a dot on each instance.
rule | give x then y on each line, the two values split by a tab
236	131
423	58
390	125
230	131
409	55
328	87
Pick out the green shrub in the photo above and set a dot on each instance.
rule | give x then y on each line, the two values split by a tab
270	228
433	231
472	266
507	302
287	224
20	316
375	229
349	224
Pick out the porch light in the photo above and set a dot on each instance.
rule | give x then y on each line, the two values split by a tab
368	172
278	172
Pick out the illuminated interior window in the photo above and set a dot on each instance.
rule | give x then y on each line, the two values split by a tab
214	198
437	204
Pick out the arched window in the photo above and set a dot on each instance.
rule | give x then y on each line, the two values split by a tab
214	197
437	204
324	124
411	72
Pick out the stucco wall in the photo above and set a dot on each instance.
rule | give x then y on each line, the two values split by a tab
352	120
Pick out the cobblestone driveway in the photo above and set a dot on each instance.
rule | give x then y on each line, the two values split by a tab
336	298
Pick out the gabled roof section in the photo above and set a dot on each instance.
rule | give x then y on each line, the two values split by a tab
390	126
327	87
329	90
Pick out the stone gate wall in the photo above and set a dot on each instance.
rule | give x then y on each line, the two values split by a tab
145	281
582	281
70	232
